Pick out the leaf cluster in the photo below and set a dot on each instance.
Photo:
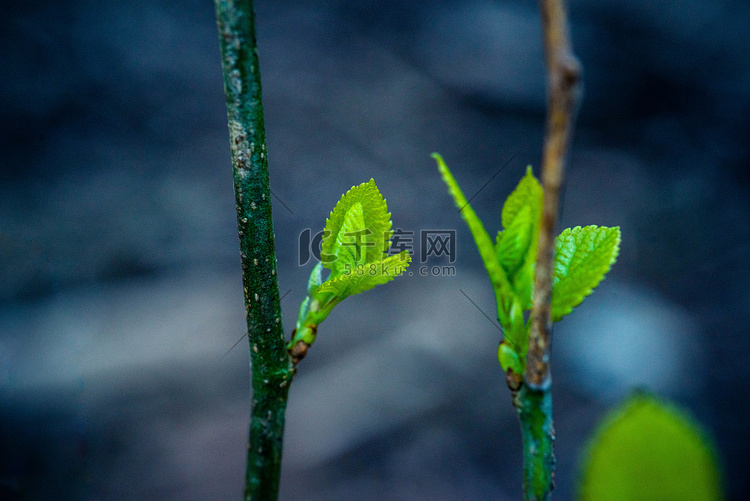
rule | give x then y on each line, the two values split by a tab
583	256
355	242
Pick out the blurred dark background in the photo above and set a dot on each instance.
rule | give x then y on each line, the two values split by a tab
120	292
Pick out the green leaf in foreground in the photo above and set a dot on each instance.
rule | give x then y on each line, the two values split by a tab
649	450
582	257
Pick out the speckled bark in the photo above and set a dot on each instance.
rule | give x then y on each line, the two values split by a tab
271	366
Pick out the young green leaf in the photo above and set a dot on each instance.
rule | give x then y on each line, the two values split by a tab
647	449
498	277
365	277
529	194
357	234
358	229
513	242
582	257
516	245
351	242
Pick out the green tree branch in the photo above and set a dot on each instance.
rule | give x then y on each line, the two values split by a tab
271	366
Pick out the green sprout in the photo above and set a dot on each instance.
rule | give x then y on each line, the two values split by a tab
356	239
583	256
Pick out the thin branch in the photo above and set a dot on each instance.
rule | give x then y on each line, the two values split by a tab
272	369
563	93
534	400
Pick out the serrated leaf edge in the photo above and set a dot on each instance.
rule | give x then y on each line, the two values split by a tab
558	315
372	253
329	286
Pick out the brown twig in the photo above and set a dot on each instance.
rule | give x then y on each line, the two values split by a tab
563	93
534	399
